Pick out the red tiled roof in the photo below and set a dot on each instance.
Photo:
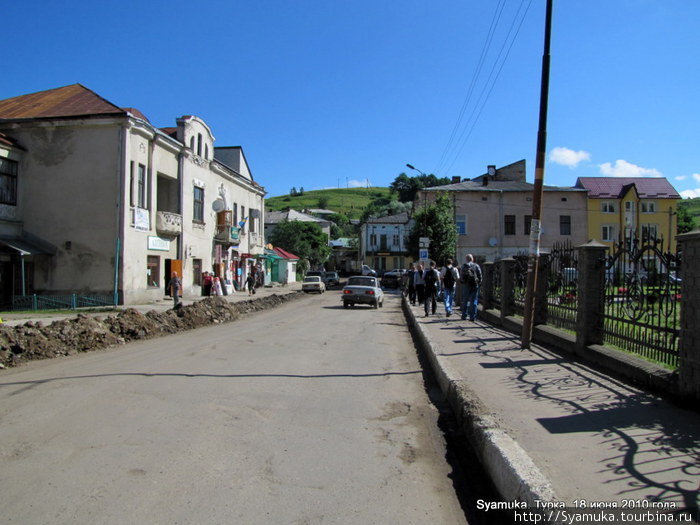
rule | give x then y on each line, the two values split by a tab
616	187
170	131
284	254
67	101
135	112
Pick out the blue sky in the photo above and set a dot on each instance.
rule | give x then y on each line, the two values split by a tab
340	93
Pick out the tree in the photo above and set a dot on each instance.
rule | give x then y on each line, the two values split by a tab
323	201
435	221
685	220
406	187
293	191
304	239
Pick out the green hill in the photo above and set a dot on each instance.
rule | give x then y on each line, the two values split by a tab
693	207
350	201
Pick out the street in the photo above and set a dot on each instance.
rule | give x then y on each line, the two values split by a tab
306	413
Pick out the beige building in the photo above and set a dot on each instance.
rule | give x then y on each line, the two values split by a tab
493	213
117	204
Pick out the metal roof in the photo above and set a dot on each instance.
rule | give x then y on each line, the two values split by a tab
67	101
617	187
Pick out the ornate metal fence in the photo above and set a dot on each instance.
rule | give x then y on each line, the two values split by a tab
497	291
562	279
519	283
641	299
60	302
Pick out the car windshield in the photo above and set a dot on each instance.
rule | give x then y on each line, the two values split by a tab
312	279
361	281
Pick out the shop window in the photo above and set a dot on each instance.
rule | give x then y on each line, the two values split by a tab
153	271
197	272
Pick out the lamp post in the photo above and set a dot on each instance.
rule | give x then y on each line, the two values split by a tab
415	169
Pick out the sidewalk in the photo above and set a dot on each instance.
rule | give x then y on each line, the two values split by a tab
13	319
550	428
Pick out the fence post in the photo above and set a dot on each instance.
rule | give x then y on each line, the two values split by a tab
487	285
35	302
73	301
540	312
591	295
689	343
507	287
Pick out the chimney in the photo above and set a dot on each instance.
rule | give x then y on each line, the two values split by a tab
456	179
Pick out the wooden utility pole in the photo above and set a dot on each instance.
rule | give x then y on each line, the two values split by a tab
536	225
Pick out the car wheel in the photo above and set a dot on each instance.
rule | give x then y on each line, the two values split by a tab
376	304
381	305
345	304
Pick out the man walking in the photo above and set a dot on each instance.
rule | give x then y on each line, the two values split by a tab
471	280
411	283
419	283
449	276
175	286
432	280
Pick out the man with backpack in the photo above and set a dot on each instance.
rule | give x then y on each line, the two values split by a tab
432	281
449	276
471	280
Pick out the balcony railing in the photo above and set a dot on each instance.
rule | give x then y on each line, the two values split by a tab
256	239
227	233
168	223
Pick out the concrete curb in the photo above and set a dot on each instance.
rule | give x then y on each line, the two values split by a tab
512	471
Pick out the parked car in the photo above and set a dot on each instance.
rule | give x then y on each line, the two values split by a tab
332	279
366	270
313	283
317	273
363	290
393	279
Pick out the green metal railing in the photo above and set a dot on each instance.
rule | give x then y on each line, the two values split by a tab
60	302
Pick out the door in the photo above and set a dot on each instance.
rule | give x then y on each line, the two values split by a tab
172	265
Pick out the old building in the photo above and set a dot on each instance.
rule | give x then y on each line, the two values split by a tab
493	213
383	242
122	202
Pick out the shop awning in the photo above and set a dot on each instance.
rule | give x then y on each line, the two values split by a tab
27	246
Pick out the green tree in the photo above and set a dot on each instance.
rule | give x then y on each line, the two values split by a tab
435	221
304	239
406	187
323	201
686	222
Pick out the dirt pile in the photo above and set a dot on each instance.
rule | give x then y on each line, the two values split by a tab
85	333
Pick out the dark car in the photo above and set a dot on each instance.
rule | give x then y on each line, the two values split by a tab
332	279
317	273
393	279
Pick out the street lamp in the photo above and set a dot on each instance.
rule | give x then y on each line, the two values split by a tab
415	169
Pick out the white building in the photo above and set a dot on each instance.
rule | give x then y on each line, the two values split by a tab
383	242
112	205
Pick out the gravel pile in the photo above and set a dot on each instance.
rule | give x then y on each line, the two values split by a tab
85	333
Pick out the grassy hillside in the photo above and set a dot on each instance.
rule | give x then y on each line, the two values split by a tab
351	201
693	207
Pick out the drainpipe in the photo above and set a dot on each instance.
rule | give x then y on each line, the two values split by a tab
121	174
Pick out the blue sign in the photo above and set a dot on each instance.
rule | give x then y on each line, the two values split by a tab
423	254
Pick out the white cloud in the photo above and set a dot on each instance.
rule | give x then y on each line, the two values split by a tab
690	194
696	176
359	183
681	177
568	157
622	168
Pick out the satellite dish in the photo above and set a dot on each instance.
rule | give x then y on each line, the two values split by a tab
218	205
493	241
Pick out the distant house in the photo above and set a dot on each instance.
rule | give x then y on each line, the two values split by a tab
383	241
344	255
620	206
493	213
273	218
284	268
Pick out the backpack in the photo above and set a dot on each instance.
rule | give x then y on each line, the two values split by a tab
449	279
470	276
430	276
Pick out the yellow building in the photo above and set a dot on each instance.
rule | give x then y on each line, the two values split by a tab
620	206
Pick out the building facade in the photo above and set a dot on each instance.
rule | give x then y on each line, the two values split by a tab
493	213
124	203
622	206
383	242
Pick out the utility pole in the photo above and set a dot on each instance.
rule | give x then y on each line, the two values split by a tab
536	225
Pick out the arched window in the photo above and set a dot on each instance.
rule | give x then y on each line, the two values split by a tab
206	151
199	144
192	143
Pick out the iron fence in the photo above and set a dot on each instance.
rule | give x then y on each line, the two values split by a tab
561	270
60	302
519	283
497	290
641	299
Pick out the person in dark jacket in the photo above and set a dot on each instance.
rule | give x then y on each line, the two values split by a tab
175	286
432	283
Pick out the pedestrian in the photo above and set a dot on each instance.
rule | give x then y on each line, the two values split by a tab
207	281
216	287
432	285
419	284
411	283
470	277
250	284
449	276
175	285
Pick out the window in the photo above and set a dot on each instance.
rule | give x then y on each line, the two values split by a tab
395	242
132	196
206	151
243	218
373	239
192	143
509	224
8	182
382	242
648	207
608	232
141	187
629	206
235	215
461	224
197	272
198	214
565	225
527	224
650	231
199	144
607	207
251	221
153	271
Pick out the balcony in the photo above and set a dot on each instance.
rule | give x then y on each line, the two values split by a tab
168	223
256	239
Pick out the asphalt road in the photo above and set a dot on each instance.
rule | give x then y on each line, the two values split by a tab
304	414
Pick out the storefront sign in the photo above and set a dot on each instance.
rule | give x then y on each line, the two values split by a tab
142	220
158	243
235	230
